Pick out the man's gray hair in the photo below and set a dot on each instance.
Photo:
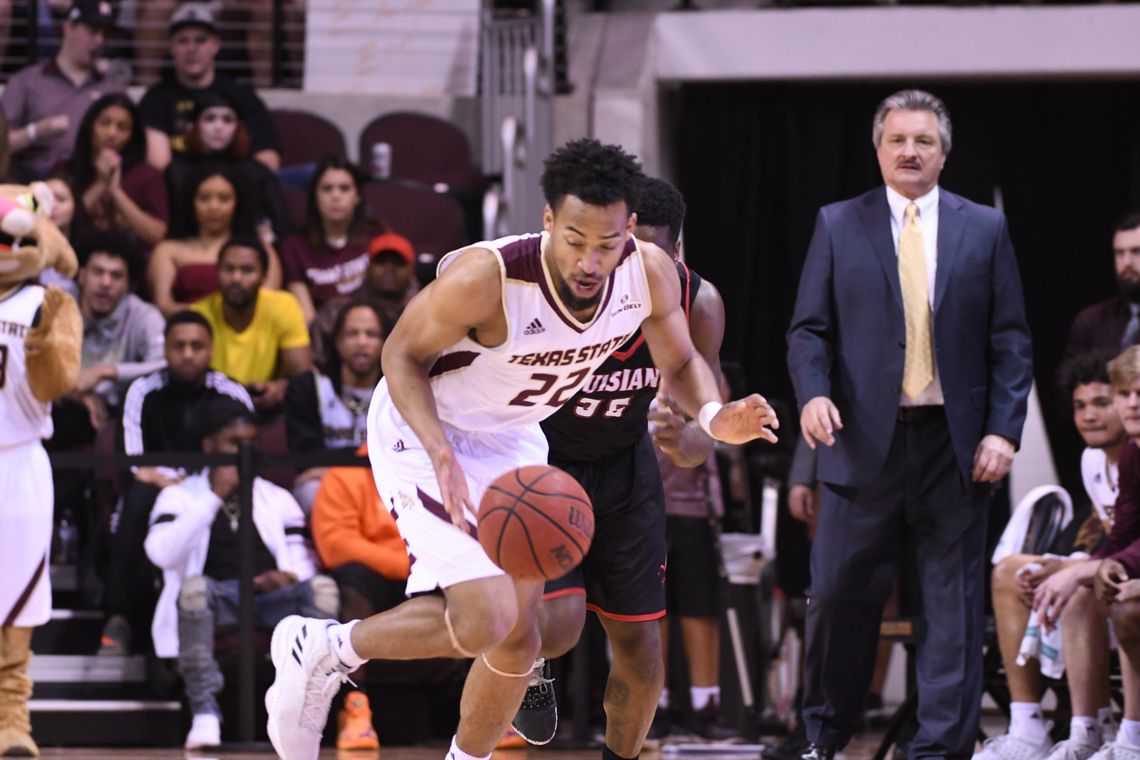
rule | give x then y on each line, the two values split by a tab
912	100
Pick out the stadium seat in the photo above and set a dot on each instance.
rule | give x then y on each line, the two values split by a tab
306	138
424	149
432	221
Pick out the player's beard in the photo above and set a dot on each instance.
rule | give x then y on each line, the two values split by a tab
577	303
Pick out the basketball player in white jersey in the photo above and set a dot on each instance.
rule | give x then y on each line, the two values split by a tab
509	331
40	336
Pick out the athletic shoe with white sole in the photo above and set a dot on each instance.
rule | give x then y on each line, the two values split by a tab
1010	747
537	717
1117	750
1081	745
308	677
205	731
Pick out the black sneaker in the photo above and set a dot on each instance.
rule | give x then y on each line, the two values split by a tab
708	724
791	748
537	718
816	752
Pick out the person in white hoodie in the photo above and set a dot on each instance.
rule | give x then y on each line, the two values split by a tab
193	540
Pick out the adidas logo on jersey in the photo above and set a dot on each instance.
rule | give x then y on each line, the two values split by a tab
534	328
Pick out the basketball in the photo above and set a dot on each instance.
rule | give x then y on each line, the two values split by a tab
536	522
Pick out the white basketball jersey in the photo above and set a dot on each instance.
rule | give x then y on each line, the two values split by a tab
25	418
1102	484
548	355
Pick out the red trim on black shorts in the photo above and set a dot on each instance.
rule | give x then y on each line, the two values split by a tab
574	591
625	618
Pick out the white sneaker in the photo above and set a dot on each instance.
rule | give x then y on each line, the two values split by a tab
1079	746
205	731
1117	751
308	677
1010	747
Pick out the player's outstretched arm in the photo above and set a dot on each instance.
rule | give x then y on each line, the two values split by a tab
686	375
465	299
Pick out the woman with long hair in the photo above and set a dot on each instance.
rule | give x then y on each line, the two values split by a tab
115	186
184	268
219	135
330	258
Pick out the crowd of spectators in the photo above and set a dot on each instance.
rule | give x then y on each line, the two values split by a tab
211	318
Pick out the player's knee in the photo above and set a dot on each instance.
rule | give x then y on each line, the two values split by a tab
194	596
1004	578
1126	621
637	644
1080	605
560	624
483	622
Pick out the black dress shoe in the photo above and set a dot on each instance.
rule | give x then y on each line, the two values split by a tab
816	752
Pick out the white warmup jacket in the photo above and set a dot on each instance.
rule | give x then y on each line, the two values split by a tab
179	540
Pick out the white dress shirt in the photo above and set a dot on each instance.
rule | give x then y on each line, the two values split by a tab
928	221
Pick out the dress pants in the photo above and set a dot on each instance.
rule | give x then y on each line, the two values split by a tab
919	503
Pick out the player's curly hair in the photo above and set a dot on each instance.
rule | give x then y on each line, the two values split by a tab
661	205
598	174
1082	370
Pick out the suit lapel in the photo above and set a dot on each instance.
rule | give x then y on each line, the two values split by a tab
951	225
876	215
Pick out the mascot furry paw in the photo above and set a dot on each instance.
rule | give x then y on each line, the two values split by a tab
41	334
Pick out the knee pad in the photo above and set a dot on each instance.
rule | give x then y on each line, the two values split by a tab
326	595
194	596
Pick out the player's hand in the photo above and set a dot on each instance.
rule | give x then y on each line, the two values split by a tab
819	421
1110	577
1053	594
453	488
801	503
745	420
992	459
1032	575
667	424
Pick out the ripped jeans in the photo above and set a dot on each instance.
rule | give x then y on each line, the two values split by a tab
206	606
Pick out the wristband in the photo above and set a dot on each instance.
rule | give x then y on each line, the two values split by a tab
708	411
31	131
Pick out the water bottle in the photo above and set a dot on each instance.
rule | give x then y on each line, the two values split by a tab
66	540
381	160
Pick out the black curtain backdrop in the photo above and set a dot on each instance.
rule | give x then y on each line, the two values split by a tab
757	160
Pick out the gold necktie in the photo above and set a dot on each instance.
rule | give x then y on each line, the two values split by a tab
918	368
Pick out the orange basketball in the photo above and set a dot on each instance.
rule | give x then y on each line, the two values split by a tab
536	522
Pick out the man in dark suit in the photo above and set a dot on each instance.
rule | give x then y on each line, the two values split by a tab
910	356
1112	325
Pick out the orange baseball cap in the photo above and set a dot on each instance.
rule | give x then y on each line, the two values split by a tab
390	241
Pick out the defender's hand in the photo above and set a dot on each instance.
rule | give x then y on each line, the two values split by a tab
745	420
819	421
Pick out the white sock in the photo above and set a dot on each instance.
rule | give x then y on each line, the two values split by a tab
1026	721
457	754
703	695
1090	726
663	700
1129	733
340	639
1106	720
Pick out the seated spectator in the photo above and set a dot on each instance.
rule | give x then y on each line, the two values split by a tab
62	214
330	258
193	538
260	338
389	282
328	409
1016	578
1113	324
5	151
184	269
168	106
117	188
158	416
122	336
45	101
358	542
219	135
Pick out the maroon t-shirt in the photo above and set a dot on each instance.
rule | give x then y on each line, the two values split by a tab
1123	542
146	186
328	272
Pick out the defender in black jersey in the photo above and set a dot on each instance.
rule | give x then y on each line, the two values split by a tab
602	438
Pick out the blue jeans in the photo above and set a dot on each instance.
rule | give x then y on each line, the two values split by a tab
206	606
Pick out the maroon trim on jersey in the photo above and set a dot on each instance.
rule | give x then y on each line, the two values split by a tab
26	594
622	354
437	509
451	362
522	259
561	309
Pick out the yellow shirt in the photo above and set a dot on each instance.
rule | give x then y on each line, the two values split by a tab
251	356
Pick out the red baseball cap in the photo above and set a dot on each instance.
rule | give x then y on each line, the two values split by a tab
390	241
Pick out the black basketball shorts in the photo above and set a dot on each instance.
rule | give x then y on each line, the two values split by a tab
693	587
623	574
